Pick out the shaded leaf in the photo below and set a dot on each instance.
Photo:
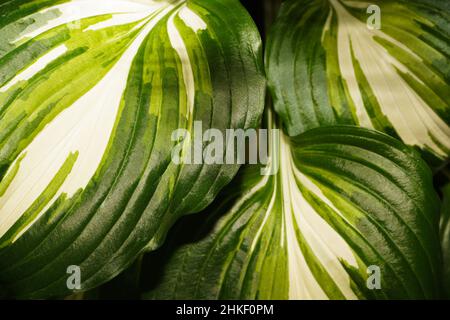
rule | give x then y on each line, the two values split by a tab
344	199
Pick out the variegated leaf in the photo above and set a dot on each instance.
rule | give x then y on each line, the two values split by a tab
90	93
345	201
382	64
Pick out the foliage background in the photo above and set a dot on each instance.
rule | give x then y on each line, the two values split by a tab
143	275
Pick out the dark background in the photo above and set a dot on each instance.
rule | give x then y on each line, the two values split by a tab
263	12
256	10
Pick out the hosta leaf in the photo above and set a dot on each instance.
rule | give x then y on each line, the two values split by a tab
445	239
345	199
90	94
328	63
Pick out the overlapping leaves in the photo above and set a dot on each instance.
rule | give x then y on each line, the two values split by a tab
90	93
345	200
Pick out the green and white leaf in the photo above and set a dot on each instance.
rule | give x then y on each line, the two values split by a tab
90	93
345	199
327	65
